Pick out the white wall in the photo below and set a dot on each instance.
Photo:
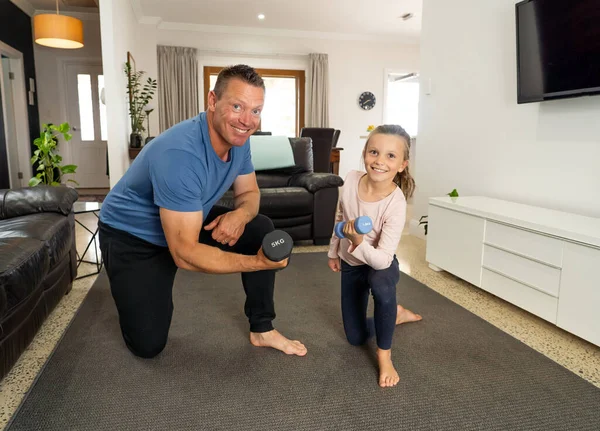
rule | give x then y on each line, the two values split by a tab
472	134
354	67
49	72
119	29
146	60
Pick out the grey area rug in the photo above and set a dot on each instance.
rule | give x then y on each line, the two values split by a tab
457	371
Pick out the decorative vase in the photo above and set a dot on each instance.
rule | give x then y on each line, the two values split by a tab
135	140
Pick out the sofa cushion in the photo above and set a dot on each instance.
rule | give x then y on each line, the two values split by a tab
303	153
39	199
52	229
268	181
24	263
286	202
271	152
279	202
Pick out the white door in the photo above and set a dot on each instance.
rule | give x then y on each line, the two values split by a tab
12	148
87	116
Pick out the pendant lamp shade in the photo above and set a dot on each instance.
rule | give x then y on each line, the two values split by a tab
58	31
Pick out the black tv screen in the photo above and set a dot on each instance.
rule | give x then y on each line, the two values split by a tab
558	49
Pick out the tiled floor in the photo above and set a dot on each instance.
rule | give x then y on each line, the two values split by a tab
573	353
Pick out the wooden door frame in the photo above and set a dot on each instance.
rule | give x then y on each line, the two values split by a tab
298	75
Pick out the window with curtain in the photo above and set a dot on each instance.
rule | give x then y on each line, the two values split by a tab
283	113
402	105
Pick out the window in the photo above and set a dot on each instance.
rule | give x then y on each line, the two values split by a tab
86	111
402	101
283	113
102	106
86	107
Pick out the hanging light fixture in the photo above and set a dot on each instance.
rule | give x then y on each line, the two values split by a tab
58	31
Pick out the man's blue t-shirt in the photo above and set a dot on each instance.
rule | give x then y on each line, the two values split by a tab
178	170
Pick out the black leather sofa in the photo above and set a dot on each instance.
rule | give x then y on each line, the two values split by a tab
38	262
298	200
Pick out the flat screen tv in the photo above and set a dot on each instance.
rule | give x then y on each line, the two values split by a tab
558	49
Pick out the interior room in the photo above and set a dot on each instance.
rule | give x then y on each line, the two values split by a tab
495	297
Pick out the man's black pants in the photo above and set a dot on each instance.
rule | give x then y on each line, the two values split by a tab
141	278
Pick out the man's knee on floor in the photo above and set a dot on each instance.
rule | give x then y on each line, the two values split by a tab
146	348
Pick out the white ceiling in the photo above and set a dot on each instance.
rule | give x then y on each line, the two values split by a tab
66	5
362	17
378	18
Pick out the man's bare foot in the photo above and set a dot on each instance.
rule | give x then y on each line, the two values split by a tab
405	316
388	376
277	341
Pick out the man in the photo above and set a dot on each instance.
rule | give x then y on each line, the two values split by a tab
160	216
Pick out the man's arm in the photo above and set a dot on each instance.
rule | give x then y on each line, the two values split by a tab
246	195
182	231
227	228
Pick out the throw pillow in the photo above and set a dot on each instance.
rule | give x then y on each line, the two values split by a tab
271	152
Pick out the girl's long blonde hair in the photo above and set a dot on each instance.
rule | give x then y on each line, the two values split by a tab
403	179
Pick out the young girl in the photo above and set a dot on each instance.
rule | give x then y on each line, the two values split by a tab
368	262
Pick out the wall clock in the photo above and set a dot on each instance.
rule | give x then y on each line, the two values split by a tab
366	100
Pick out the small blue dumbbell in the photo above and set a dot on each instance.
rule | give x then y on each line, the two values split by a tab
362	225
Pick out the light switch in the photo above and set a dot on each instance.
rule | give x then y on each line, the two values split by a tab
428	86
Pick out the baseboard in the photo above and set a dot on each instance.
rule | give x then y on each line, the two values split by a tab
416	230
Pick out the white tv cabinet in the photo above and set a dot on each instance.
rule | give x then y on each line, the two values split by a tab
544	261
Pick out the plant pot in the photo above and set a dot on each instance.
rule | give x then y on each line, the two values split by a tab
133	152
135	140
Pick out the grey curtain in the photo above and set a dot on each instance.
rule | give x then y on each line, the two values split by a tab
177	84
318	115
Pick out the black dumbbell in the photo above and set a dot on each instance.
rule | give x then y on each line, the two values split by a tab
277	245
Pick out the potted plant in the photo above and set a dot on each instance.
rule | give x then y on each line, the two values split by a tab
49	168
139	95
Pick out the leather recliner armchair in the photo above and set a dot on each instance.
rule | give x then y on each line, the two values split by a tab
299	201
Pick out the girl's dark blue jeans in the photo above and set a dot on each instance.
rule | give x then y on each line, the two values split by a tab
357	282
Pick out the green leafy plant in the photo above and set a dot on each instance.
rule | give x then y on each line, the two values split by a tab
423	220
49	168
139	96
453	194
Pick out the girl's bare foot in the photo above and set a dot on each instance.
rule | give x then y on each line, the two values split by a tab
388	376
405	316
277	341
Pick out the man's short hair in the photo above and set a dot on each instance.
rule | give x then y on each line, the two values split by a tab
242	72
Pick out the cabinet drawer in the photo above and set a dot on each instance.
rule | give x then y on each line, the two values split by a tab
537	275
535	246
534	301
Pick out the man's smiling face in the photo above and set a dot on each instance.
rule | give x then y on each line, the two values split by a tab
237	112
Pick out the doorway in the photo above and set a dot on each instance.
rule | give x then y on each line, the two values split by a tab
15	151
86	114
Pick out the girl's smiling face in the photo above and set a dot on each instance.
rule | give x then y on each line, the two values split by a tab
384	157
